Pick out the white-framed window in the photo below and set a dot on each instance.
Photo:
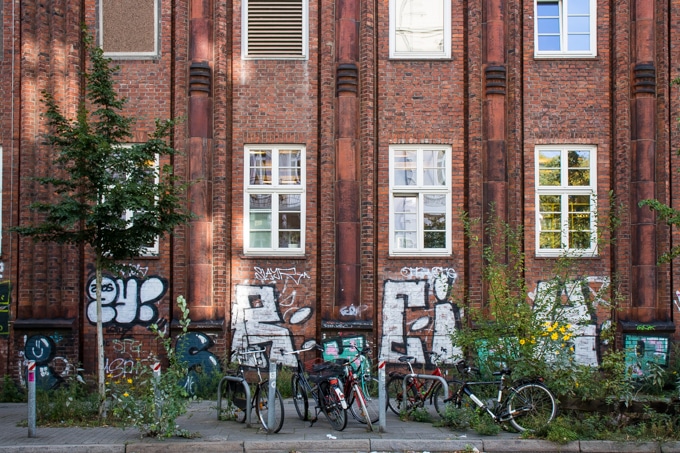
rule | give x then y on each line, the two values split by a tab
566	200
420	29
420	200
152	248
565	28
129	29
275	29
274	200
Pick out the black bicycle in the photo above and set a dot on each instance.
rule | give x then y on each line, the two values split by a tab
322	383
528	405
236	398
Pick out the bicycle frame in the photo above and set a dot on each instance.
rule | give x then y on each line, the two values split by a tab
415	379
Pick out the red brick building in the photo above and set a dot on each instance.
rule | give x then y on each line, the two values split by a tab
332	146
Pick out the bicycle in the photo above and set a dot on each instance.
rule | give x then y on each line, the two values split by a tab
326	391
361	388
238	397
418	390
528	406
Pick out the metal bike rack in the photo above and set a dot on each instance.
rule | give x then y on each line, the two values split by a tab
426	376
246	387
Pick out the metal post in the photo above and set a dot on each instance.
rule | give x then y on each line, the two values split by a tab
382	397
156	383
271	401
31	398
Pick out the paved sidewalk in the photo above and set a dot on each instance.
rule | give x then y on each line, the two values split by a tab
213	435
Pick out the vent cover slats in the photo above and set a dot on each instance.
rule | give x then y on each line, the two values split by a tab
275	28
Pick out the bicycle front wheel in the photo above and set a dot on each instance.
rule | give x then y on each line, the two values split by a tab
531	407
300	399
395	395
332	406
263	406
369	390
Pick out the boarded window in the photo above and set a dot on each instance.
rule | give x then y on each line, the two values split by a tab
128	27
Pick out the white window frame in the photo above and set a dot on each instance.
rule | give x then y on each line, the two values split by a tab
418	191
305	36
445	53
564	51
274	189
564	191
128	216
131	55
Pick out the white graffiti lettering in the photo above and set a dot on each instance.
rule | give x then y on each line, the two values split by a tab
409	322
256	320
126	302
275	275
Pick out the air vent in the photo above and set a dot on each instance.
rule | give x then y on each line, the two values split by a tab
275	29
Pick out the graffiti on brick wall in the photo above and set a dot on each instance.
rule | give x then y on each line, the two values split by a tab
643	350
51	369
5	291
677	300
417	315
266	314
579	298
126	358
126	302
193	349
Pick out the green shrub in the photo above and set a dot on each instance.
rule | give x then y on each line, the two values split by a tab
10	392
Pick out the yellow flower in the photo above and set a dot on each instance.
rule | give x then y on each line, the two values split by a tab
522	341
575	384
568	326
126	394
554	336
563	329
129	381
566	337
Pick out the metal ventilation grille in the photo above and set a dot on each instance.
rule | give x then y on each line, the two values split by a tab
275	28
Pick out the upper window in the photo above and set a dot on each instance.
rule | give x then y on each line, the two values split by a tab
420	200
274	217
565	28
275	29
566	200
420	28
129	28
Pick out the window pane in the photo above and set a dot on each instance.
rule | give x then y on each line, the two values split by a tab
290	167
550	240
260	221
579	240
260	202
289	239
419	26
435	240
405	240
549	26
579	203
289	202
434	171
547	43
260	167
548	9
579	24
260	239
578	7
551	221
405	168
549	164
578	42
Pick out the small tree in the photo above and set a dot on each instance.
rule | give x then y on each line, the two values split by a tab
111	197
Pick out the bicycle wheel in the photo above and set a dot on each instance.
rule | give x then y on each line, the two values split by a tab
440	404
395	390
332	407
300	399
236	402
358	407
531	406
263	405
369	389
